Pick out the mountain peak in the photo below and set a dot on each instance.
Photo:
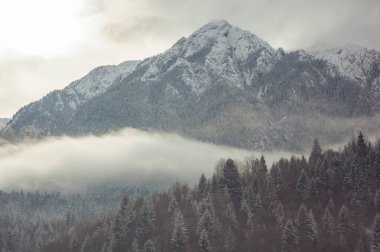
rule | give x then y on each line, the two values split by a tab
217	23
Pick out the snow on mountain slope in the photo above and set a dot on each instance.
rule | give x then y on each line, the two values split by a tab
217	50
46	116
3	122
97	81
222	85
357	63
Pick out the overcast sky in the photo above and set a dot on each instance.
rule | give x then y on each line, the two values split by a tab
46	44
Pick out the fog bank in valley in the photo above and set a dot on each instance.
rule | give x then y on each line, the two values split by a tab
129	156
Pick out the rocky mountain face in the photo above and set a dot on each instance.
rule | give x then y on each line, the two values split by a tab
3	122
358	64
47	116
221	85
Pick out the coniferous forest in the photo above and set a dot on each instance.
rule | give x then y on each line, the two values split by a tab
325	202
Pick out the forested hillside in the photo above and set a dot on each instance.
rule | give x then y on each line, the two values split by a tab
329	201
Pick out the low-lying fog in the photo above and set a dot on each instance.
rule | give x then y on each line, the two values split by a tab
134	156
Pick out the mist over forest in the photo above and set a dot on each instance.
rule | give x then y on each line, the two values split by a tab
129	156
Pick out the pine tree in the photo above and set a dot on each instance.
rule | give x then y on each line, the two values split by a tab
375	243
377	200
85	244
344	220
206	222
263	166
204	242
289	242
149	246
247	213
146	219
314	235
229	241
301	184
74	242
179	234
316	152
173	204
230	215
327	225
202	186
360	247
307	232
361	146
343	243
231	179
117	237
135	246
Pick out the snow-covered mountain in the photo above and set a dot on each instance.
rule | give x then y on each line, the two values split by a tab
222	85
357	63
46	116
3	122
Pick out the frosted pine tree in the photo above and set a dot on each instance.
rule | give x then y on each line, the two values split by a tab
305	227
206	222
360	247
316	152
375	242
173	204
344	220
229	215
135	246
247	213
289	241
117	237
314	235
302	184
327	225
147	218
203	242
85	244
202	186
149	246
179	234
343	243
229	240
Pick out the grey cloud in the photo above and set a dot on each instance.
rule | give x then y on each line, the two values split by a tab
291	24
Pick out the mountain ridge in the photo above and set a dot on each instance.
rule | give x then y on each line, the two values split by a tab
222	85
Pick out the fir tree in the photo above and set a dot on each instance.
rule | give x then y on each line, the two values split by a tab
316	152
117	234
202	186
263	166
229	241
361	146
179	234
307	229
231	179
301	184
149	246
289	241
204	242
327	224
375	242
146	219
135	245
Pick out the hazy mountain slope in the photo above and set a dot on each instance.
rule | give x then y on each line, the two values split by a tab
48	115
222	85
357	63
3	122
